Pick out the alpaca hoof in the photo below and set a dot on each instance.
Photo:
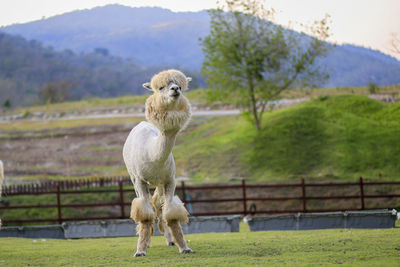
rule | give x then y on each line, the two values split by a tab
187	251
171	244
141	254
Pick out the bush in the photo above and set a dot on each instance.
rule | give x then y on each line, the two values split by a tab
373	88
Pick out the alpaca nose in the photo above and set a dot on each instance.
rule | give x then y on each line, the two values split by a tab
175	87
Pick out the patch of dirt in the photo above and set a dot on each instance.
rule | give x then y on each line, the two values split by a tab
79	151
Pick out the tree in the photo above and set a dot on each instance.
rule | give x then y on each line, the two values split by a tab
249	60
7	104
54	92
395	44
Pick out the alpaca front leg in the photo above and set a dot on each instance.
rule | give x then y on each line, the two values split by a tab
157	200
173	213
143	214
145	230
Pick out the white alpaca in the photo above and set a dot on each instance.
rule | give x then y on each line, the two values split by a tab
148	157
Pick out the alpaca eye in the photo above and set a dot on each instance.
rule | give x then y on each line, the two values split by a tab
161	88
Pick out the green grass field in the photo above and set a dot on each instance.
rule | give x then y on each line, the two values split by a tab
272	248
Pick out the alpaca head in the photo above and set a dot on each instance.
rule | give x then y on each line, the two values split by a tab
168	85
168	109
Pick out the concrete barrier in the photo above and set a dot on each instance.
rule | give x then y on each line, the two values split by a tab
114	228
43	231
325	220
107	228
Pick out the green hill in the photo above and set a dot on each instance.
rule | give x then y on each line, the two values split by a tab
337	137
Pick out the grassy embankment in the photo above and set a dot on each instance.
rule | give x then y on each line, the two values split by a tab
329	138
273	248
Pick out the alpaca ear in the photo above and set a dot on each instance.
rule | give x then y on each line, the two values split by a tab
188	79
147	86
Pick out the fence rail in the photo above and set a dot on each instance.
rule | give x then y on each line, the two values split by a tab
84	187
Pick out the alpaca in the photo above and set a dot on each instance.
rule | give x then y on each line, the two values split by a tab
148	158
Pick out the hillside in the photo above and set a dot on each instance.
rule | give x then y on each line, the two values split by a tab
329	138
171	39
168	38
27	66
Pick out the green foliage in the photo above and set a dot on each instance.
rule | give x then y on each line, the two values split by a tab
354	247
7	104
373	88
249	60
55	92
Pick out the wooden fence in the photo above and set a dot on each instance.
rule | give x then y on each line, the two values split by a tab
245	204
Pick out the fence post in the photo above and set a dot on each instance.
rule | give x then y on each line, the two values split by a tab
303	194
362	193
59	204
244	197
183	193
121	198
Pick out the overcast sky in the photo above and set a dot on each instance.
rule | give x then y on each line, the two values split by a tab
369	23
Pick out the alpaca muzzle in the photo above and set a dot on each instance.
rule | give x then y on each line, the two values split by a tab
174	90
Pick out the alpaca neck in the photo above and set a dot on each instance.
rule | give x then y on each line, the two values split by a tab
163	145
169	120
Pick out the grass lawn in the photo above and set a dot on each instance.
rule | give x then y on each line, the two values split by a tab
273	248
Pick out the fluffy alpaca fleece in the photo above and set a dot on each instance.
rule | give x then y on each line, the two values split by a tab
148	158
165	116
162	111
176	211
141	210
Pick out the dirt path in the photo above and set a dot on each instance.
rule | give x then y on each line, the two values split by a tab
195	113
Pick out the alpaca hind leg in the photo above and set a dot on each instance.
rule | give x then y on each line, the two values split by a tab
168	236
177	234
173	212
157	200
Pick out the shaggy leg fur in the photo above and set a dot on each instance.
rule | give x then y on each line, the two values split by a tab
173	213
145	230
141	210
143	213
177	234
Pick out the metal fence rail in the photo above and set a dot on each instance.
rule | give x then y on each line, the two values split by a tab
84	187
